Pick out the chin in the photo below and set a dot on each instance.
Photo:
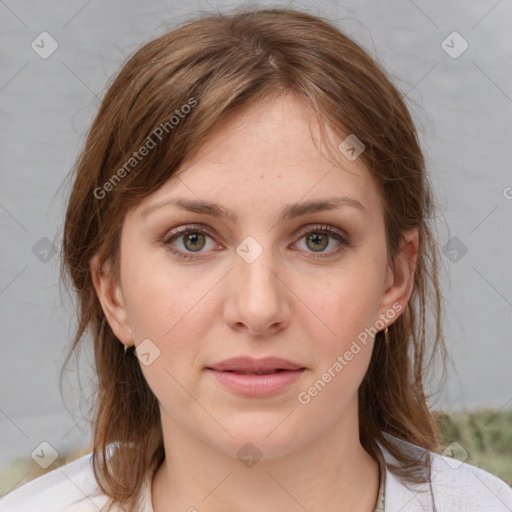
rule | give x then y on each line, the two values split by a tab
262	439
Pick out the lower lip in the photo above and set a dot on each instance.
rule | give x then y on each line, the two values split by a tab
257	385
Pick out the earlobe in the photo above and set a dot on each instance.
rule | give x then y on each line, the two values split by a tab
400	279
111	298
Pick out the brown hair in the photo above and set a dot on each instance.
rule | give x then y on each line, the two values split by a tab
223	63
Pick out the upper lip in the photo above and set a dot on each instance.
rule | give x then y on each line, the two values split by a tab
250	365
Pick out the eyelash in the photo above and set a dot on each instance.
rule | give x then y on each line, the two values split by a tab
323	229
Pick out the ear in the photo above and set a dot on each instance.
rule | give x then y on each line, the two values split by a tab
111	298
400	279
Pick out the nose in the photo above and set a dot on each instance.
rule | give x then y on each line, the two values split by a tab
258	299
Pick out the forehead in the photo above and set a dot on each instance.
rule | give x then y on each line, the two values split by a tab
265	156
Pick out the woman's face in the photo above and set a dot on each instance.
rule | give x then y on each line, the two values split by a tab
309	285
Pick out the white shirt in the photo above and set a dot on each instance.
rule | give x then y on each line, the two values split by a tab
461	488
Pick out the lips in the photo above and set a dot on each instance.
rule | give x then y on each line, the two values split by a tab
247	365
255	373
256	378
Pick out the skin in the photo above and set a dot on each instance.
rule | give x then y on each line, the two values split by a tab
290	302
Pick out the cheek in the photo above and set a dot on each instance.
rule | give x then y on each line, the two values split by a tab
347	307
159	301
343	351
346	304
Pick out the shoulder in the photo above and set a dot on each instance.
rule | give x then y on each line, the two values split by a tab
455	485
469	487
69	488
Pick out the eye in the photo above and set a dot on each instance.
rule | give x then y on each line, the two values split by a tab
190	240
187	241
318	238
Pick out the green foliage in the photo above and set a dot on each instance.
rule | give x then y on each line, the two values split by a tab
486	435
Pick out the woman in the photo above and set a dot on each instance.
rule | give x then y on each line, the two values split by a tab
248	237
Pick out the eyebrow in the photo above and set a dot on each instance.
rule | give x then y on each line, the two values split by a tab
289	211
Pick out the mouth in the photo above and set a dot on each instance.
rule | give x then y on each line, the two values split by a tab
270	372
256	384
251	377
249	365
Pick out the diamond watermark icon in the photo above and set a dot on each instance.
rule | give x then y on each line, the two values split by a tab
454	45
44	45
455	249
147	352
44	454
351	147
249	454
455	454
44	249
249	249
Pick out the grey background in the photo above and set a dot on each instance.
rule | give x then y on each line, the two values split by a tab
462	107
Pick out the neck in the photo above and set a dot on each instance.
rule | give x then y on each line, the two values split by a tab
331	473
